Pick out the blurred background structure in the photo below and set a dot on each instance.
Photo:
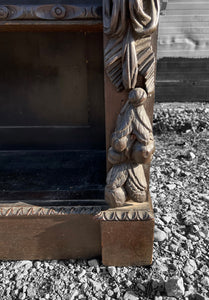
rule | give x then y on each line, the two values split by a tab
183	51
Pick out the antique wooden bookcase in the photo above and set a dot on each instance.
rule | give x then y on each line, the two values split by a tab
58	107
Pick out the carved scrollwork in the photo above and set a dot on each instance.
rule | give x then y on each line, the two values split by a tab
50	12
128	25
4	12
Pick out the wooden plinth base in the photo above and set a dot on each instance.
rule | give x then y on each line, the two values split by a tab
123	236
129	241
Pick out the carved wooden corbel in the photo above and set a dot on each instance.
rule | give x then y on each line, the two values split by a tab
130	65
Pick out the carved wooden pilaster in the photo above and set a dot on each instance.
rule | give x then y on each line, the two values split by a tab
130	66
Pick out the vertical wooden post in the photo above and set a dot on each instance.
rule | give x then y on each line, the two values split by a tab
130	66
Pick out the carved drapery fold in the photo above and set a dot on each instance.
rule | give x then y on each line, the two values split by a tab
128	25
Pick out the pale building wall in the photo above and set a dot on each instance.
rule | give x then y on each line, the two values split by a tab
184	29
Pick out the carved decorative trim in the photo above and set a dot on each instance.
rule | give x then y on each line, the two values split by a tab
126	215
19	211
50	12
106	215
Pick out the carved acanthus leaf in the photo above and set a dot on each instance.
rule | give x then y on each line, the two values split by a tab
128	25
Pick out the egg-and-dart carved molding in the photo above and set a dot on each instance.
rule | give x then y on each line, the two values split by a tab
50	12
125	215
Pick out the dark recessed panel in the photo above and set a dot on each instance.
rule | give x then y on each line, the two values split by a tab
51	90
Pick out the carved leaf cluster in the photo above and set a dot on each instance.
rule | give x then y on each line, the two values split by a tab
128	25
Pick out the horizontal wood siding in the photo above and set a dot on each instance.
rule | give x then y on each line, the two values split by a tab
182	80
183	52
184	29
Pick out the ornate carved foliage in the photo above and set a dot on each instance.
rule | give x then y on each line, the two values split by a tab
129	63
128	25
49	12
132	145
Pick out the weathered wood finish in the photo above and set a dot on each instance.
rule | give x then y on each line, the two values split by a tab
127	239
70	228
127	243
49	237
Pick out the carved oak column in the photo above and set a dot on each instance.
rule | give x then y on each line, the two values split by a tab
130	64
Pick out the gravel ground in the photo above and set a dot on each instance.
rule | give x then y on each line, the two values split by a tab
180	193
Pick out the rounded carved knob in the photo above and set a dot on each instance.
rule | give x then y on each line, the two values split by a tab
3	12
58	12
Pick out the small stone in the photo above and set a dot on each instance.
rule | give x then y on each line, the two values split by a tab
205	197
97	286
175	287
159	235
198	296
23	264
112	270
190	267
73	295
31	291
167	218
167	230
110	293
37	264
93	263
192	155
141	287
129	295
116	289
21	296
171	186
81	274
205	281
128	283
